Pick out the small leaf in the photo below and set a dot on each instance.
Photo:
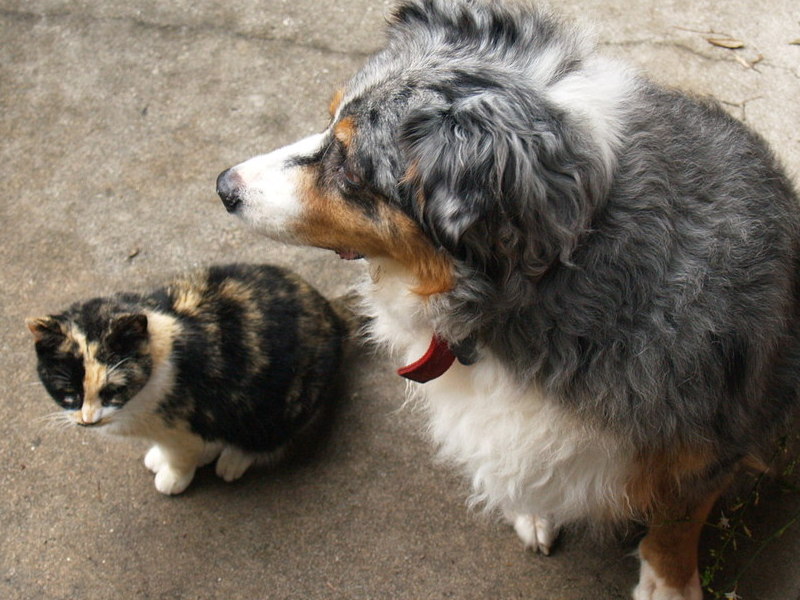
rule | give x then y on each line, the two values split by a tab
729	43
748	64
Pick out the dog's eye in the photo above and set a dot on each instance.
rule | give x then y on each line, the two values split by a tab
350	178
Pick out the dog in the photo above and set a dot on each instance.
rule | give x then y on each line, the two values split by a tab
594	280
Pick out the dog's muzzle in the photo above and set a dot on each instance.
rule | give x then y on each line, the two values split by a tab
229	186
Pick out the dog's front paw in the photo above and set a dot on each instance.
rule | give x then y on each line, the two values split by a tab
171	481
537	533
232	463
653	587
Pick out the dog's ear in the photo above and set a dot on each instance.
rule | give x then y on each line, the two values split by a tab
495	172
452	169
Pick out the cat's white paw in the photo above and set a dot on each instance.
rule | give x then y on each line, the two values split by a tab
653	587
173	481
232	463
154	459
537	533
209	454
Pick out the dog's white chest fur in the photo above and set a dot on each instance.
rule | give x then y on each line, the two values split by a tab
523	453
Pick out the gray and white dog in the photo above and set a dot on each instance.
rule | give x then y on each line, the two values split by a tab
602	276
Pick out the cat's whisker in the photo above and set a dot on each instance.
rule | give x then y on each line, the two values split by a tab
55	420
48	417
116	366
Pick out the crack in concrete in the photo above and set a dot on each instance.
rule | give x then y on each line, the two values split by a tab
662	43
699	53
23	16
763	61
789	70
656	43
742	105
28	16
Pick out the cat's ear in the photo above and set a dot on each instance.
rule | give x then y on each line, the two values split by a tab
127	332
44	328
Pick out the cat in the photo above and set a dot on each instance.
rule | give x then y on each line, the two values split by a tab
231	363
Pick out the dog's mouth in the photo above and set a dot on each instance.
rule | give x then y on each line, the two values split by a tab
348	254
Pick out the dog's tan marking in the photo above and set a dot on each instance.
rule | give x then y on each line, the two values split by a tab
659	475
661	490
336	100
412	177
330	222
345	131
671	544
755	464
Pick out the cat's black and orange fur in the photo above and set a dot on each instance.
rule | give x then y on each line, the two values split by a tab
230	362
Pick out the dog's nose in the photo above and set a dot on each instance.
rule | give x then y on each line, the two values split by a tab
229	188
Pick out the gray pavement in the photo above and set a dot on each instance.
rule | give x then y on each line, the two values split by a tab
115	118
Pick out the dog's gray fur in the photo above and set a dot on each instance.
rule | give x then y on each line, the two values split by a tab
656	294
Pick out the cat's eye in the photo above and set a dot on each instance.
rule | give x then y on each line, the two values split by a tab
109	392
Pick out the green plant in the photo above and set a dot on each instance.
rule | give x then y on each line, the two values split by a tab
733	528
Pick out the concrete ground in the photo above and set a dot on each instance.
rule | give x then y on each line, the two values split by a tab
115	118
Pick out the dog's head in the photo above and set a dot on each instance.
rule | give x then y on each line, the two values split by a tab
457	143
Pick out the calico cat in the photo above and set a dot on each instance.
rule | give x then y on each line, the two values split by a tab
230	363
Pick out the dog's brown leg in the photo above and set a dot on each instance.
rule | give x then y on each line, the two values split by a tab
669	553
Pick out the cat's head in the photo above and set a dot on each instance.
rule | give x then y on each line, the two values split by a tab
93	358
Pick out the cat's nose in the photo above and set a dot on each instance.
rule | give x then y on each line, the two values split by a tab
229	186
90	414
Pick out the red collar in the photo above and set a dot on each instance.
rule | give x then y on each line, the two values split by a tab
433	363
